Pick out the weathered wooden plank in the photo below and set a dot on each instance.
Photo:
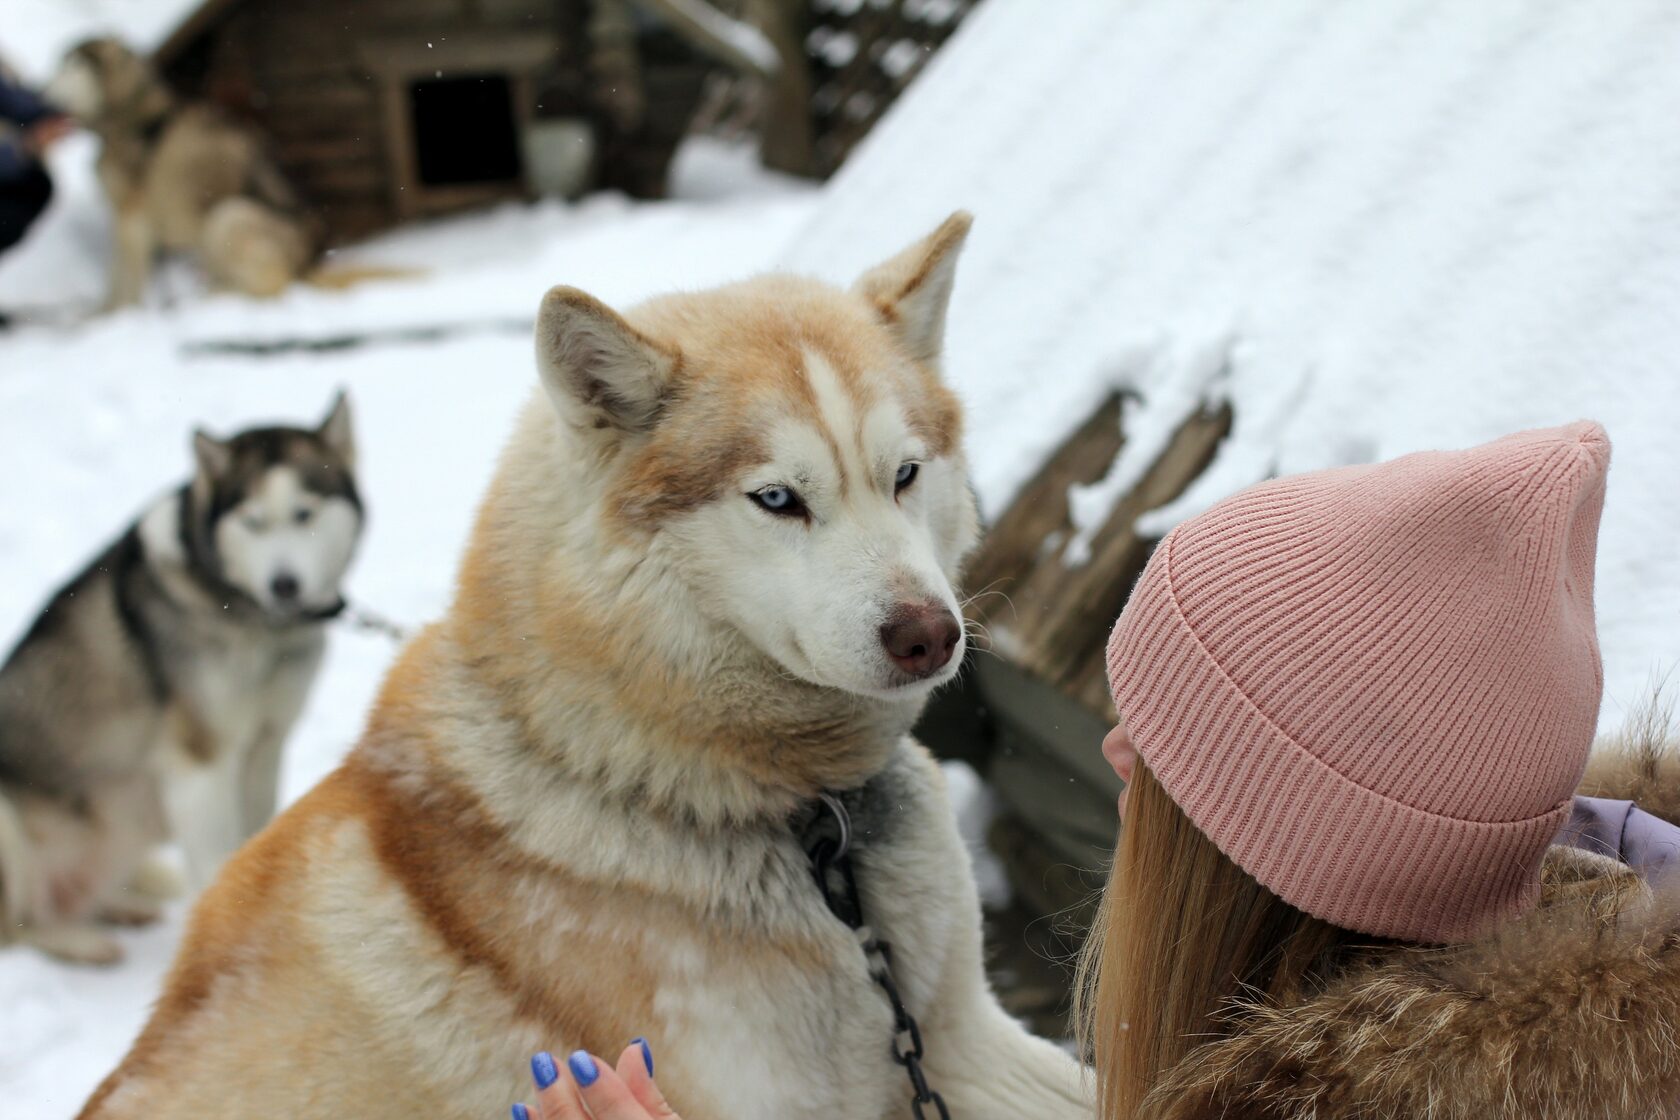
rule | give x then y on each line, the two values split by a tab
353	219
1015	541
329	98
319	150
1050	616
321	179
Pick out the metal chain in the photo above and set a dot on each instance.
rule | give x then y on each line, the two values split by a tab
831	863
361	618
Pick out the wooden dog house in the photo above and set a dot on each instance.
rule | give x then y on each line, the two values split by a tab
388	110
384	111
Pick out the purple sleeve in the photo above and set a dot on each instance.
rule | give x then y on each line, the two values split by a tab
1623	831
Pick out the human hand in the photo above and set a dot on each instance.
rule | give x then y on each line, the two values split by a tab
44	133
587	1087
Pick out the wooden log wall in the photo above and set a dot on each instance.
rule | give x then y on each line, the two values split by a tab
293	66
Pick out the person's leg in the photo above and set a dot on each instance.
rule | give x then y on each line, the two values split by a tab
21	202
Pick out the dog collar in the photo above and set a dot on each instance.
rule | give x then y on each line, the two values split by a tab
324	614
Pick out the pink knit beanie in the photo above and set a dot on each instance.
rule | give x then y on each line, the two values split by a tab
1375	687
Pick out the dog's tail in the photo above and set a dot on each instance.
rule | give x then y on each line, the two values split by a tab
336	278
14	867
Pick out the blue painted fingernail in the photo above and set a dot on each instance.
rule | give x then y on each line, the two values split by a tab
543	1069
520	1112
583	1068
647	1054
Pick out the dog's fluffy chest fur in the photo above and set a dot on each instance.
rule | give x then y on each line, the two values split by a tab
818	1030
236	690
606	922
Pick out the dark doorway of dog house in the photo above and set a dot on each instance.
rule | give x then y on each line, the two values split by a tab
465	130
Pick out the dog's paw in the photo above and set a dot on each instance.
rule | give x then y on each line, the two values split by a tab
157	880
78	944
130	911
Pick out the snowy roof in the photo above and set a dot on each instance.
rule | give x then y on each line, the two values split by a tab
1374	228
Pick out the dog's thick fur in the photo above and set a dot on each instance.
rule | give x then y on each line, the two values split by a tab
1569	1013
182	177
152	695
574	815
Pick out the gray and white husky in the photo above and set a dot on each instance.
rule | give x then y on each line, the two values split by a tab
150	698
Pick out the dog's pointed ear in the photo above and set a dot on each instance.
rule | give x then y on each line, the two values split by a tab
912	290
599	371
213	456
337	430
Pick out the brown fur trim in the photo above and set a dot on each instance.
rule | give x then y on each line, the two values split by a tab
1570	1012
1641	764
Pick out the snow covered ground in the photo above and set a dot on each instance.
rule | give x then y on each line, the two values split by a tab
1374	227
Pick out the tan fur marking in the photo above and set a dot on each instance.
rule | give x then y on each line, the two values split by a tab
936	416
582	642
746	352
244	909
438	856
188	732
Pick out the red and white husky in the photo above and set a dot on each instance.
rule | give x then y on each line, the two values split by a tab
712	579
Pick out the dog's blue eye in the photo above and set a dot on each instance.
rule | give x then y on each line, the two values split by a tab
302	516
778	499
254	523
906	475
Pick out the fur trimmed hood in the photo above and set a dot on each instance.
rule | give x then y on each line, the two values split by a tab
1572	1011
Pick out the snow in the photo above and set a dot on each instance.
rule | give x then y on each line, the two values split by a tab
976	806
932	11
1374	228
742	37
836	48
36	33
900	58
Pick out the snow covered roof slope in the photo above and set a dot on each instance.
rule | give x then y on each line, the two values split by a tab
1374	227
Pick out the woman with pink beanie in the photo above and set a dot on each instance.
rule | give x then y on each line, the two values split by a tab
1357	877
1354	879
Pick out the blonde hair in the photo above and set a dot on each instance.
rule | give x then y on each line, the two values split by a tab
1181	931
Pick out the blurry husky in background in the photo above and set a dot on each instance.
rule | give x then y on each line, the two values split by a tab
183	176
151	697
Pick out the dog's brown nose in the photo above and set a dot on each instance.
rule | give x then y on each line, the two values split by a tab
921	639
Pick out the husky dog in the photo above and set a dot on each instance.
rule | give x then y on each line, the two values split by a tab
182	177
711	582
151	696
